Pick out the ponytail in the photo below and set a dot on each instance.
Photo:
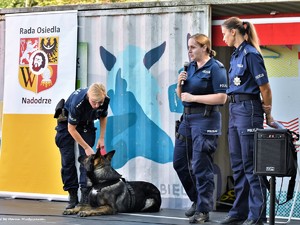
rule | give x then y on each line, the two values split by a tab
251	35
245	28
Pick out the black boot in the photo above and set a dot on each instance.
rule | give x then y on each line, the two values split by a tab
73	199
84	200
191	211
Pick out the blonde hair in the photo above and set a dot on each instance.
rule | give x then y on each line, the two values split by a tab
202	40
97	91
245	28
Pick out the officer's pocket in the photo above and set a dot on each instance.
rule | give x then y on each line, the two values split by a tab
62	136
205	80
239	77
210	143
247	143
240	71
247	108
254	111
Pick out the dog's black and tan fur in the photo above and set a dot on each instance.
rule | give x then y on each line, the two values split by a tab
110	194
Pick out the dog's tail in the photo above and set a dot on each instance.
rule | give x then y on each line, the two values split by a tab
153	198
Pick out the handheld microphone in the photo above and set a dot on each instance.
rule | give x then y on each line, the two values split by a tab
185	66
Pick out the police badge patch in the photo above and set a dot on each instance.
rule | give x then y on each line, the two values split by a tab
237	81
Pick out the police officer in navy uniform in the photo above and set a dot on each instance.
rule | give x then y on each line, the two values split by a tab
202	88
248	82
76	125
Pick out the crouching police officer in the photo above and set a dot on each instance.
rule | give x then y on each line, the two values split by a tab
76	125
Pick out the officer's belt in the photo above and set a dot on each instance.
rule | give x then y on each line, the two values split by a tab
242	97
80	124
200	109
85	123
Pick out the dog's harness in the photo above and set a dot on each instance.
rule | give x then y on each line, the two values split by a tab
131	203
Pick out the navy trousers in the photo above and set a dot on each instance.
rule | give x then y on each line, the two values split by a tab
66	145
193	160
250	191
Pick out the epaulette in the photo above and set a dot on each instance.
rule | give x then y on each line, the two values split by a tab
248	49
79	104
219	64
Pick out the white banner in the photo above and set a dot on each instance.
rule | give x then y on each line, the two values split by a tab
40	69
40	60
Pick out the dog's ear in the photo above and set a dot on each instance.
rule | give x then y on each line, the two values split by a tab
98	153
109	155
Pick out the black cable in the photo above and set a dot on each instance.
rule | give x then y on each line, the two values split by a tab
277	199
264	199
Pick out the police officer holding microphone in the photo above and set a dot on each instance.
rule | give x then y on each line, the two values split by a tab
202	88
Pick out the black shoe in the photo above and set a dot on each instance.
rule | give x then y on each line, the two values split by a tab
199	217
191	211
253	222
229	220
73	199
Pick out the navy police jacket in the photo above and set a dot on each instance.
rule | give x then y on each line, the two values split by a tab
247	70
209	79
80	110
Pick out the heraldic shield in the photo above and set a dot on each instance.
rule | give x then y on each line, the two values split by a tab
38	60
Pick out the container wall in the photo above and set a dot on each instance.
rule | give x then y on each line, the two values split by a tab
137	54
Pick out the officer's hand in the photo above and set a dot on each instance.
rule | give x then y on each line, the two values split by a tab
186	97
270	121
100	143
182	77
89	151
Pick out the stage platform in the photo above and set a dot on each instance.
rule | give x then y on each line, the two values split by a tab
40	212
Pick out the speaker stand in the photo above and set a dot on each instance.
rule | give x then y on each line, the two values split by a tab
272	200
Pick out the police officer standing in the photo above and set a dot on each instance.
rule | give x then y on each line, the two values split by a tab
248	82
76	125
201	88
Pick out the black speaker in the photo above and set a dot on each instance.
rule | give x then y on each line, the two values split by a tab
271	152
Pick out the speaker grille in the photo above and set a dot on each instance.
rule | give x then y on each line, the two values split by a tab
270	153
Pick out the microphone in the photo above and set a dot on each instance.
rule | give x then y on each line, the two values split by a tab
185	66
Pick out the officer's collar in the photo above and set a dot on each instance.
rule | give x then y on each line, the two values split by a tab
240	48
194	64
208	63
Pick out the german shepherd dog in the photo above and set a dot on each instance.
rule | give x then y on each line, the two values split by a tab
110	193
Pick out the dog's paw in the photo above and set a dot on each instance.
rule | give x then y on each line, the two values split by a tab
69	212
83	213
73	211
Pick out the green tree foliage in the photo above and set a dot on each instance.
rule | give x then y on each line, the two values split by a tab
72	2
31	3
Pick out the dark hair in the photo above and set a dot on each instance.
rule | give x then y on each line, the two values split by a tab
202	40
245	28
